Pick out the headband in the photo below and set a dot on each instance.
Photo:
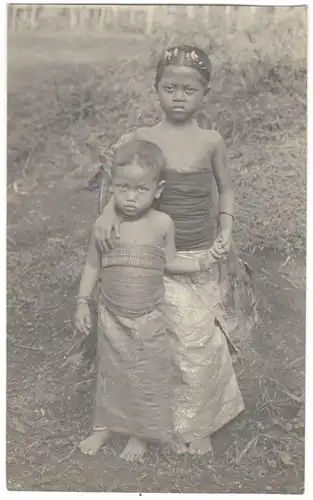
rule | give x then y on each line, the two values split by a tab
185	56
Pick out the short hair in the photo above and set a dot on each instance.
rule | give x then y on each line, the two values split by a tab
185	55
145	153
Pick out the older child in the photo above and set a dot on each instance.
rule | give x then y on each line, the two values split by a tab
135	379
199	197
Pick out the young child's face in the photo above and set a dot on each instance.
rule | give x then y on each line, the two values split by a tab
181	91
135	189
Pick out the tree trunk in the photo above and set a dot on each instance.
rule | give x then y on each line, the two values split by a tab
72	17
33	16
102	18
228	13
13	20
149	19
191	12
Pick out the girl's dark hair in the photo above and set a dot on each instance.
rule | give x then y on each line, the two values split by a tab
145	153
185	55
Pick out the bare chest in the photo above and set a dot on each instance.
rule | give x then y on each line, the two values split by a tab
141	232
184	152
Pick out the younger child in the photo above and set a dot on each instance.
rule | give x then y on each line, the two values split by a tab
134	381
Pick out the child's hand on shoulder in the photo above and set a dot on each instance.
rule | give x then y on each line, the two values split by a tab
83	318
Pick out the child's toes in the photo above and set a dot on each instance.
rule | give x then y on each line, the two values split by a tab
134	450
92	444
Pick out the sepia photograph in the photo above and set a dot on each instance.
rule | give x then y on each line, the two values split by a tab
156	248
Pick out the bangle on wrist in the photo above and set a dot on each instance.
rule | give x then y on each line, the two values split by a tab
83	300
226	213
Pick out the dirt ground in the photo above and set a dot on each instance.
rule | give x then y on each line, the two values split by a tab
49	406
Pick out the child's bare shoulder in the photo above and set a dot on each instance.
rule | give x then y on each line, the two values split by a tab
161	219
212	136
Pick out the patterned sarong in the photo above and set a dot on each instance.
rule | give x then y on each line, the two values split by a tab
206	392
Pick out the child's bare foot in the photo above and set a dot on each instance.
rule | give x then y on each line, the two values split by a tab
134	450
92	444
200	446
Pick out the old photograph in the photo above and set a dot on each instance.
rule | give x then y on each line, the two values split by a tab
156	248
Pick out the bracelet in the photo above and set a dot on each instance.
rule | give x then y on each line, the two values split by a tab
226	213
83	300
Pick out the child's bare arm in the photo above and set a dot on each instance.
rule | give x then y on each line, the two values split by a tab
177	264
224	186
226	200
91	270
88	281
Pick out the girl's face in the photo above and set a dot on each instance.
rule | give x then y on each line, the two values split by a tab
181	91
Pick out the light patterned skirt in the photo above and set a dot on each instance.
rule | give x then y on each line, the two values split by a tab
206	392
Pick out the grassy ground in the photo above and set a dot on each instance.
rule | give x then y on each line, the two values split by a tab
63	90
